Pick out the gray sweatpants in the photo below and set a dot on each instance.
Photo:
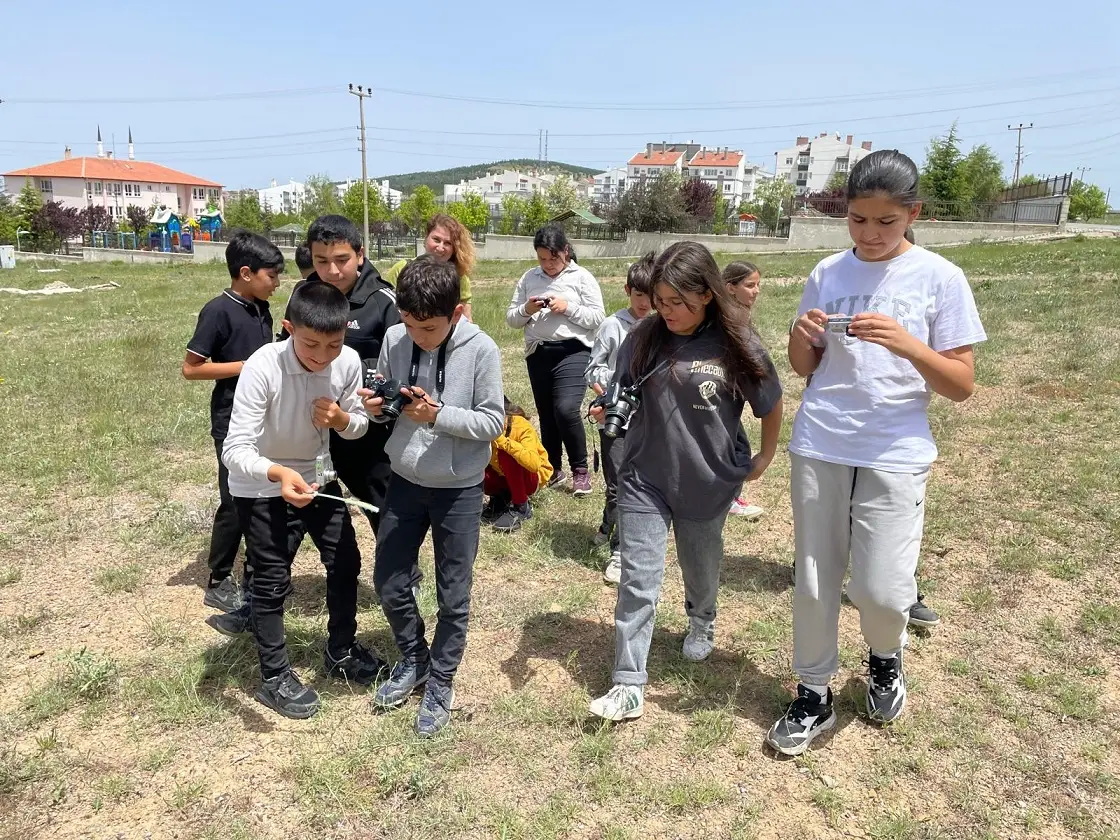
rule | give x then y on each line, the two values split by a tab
874	518
644	537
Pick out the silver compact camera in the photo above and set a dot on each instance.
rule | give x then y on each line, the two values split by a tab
324	470
840	324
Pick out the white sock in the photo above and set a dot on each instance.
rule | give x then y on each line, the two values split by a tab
890	654
820	690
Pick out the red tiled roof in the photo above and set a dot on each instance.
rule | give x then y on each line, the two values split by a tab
711	157
112	169
655	159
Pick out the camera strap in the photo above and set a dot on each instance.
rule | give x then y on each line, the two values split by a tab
441	363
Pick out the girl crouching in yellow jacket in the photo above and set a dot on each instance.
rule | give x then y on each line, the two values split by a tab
518	466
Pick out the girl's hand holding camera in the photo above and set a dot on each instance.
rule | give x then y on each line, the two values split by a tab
810	327
535	304
877	328
596	411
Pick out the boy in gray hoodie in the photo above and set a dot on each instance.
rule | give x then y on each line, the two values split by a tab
450	372
599	375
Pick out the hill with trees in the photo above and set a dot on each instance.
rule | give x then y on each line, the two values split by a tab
435	179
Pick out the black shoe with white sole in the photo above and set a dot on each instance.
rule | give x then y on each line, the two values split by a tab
225	595
808	716
232	623
886	688
921	615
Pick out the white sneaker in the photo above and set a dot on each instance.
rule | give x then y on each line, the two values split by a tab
613	572
739	507
699	643
623	702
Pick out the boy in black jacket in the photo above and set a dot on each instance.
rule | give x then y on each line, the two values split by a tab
339	259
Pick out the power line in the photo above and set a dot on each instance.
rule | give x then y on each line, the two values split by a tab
746	105
286	93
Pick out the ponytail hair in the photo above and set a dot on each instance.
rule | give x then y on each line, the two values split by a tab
886	172
909	236
513	409
555	240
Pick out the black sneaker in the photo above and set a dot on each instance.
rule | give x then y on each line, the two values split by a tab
886	688
558	478
288	696
921	615
496	505
405	679
435	709
513	517
232	623
357	665
807	717
224	595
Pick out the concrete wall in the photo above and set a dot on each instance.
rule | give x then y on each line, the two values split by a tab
211	252
118	255
499	247
814	233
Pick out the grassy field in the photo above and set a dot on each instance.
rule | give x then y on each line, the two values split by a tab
123	715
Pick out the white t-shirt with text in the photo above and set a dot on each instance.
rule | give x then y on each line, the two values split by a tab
865	406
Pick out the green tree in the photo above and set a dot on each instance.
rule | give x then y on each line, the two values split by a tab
9	220
770	200
562	196
353	201
1027	180
138	219
514	208
1086	201
415	210
28	204
321	198
472	212
720	212
664	208
943	177
837	182
983	174
536	215
243	210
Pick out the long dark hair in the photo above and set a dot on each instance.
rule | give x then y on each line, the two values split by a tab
690	267
513	409
555	240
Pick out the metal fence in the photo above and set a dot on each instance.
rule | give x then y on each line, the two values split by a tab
1058	185
1037	211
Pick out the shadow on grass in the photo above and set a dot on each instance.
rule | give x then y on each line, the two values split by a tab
196	572
750	573
585	648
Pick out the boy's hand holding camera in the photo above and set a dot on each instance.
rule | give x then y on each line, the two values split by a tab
326	414
421	408
293	489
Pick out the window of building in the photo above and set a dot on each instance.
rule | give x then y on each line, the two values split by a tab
116	189
789	161
97	188
727	187
46	185
128	189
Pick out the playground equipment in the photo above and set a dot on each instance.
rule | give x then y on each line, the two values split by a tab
114	239
210	225
168	232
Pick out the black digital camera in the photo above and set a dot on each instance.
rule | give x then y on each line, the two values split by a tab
618	404
390	391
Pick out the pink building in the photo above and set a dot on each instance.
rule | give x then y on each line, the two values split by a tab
116	184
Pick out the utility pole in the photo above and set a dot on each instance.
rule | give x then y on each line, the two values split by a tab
546	147
1083	170
1018	149
363	94
540	146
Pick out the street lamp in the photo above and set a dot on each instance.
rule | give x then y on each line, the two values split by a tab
18	232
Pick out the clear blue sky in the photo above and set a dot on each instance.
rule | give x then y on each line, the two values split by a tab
894	73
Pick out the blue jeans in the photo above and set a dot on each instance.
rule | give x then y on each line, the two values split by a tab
454	516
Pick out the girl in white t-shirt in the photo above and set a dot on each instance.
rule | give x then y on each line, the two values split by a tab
861	446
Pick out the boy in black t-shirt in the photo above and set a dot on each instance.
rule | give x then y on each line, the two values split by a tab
231	327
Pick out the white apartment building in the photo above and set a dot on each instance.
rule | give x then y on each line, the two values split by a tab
728	172
607	186
115	184
391	197
282	198
494	186
810	164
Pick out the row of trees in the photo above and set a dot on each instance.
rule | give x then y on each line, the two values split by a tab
46	226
